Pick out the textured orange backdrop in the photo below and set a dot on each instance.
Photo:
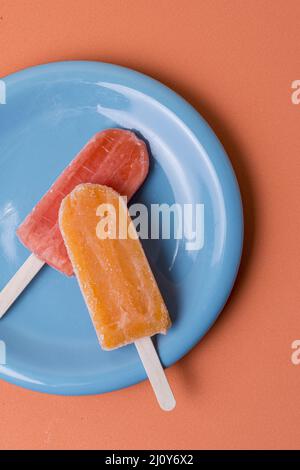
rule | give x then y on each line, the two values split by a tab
235	62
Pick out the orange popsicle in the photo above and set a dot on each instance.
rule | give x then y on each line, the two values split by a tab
113	273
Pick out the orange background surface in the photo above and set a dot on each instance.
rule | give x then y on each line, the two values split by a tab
235	62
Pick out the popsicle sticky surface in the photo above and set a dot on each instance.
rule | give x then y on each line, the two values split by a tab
115	278
113	157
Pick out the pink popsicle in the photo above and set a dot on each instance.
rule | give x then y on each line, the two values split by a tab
115	158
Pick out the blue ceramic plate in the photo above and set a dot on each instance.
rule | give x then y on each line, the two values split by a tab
51	111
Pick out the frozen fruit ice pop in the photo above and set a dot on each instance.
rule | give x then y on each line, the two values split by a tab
113	157
117	283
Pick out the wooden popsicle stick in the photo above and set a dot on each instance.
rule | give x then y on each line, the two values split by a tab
156	373
18	282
